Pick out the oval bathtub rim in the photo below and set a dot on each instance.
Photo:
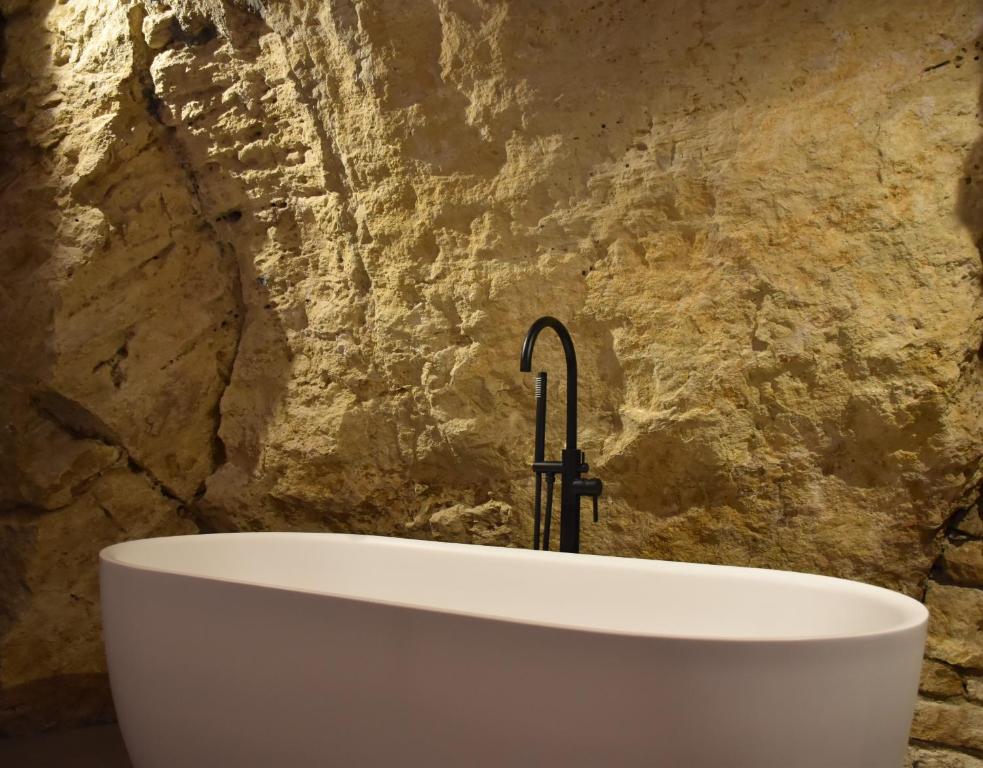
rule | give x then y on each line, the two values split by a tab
916	618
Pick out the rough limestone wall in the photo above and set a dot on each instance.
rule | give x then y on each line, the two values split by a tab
268	264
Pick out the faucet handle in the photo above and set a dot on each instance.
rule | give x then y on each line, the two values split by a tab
582	465
589	486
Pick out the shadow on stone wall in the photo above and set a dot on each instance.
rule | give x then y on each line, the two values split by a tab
27	304
122	303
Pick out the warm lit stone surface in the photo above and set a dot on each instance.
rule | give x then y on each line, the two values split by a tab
937	758
958	724
955	630
268	265
964	563
940	680
486	524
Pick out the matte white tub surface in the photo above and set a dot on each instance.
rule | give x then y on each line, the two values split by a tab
289	650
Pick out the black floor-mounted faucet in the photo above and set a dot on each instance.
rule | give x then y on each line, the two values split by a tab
573	462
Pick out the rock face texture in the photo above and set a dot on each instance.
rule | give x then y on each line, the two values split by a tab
267	264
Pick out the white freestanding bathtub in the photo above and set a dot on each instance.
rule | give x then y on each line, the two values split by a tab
281	650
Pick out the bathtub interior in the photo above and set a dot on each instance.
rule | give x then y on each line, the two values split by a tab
584	592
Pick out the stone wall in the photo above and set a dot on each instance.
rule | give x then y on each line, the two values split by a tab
268	264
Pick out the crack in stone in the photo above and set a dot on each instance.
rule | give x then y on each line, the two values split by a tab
218	445
143	58
946	748
117	372
82	424
111	517
83	428
943	534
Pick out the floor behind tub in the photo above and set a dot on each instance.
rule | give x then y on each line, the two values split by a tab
97	747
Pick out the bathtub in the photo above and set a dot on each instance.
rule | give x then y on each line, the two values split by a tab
288	650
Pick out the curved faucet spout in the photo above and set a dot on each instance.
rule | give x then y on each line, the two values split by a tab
573	462
525	365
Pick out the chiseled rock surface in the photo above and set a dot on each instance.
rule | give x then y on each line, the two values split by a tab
955	630
485	524
940	680
269	265
964	563
919	757
970	525
960	724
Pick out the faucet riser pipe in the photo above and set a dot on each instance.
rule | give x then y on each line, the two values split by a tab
539	452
